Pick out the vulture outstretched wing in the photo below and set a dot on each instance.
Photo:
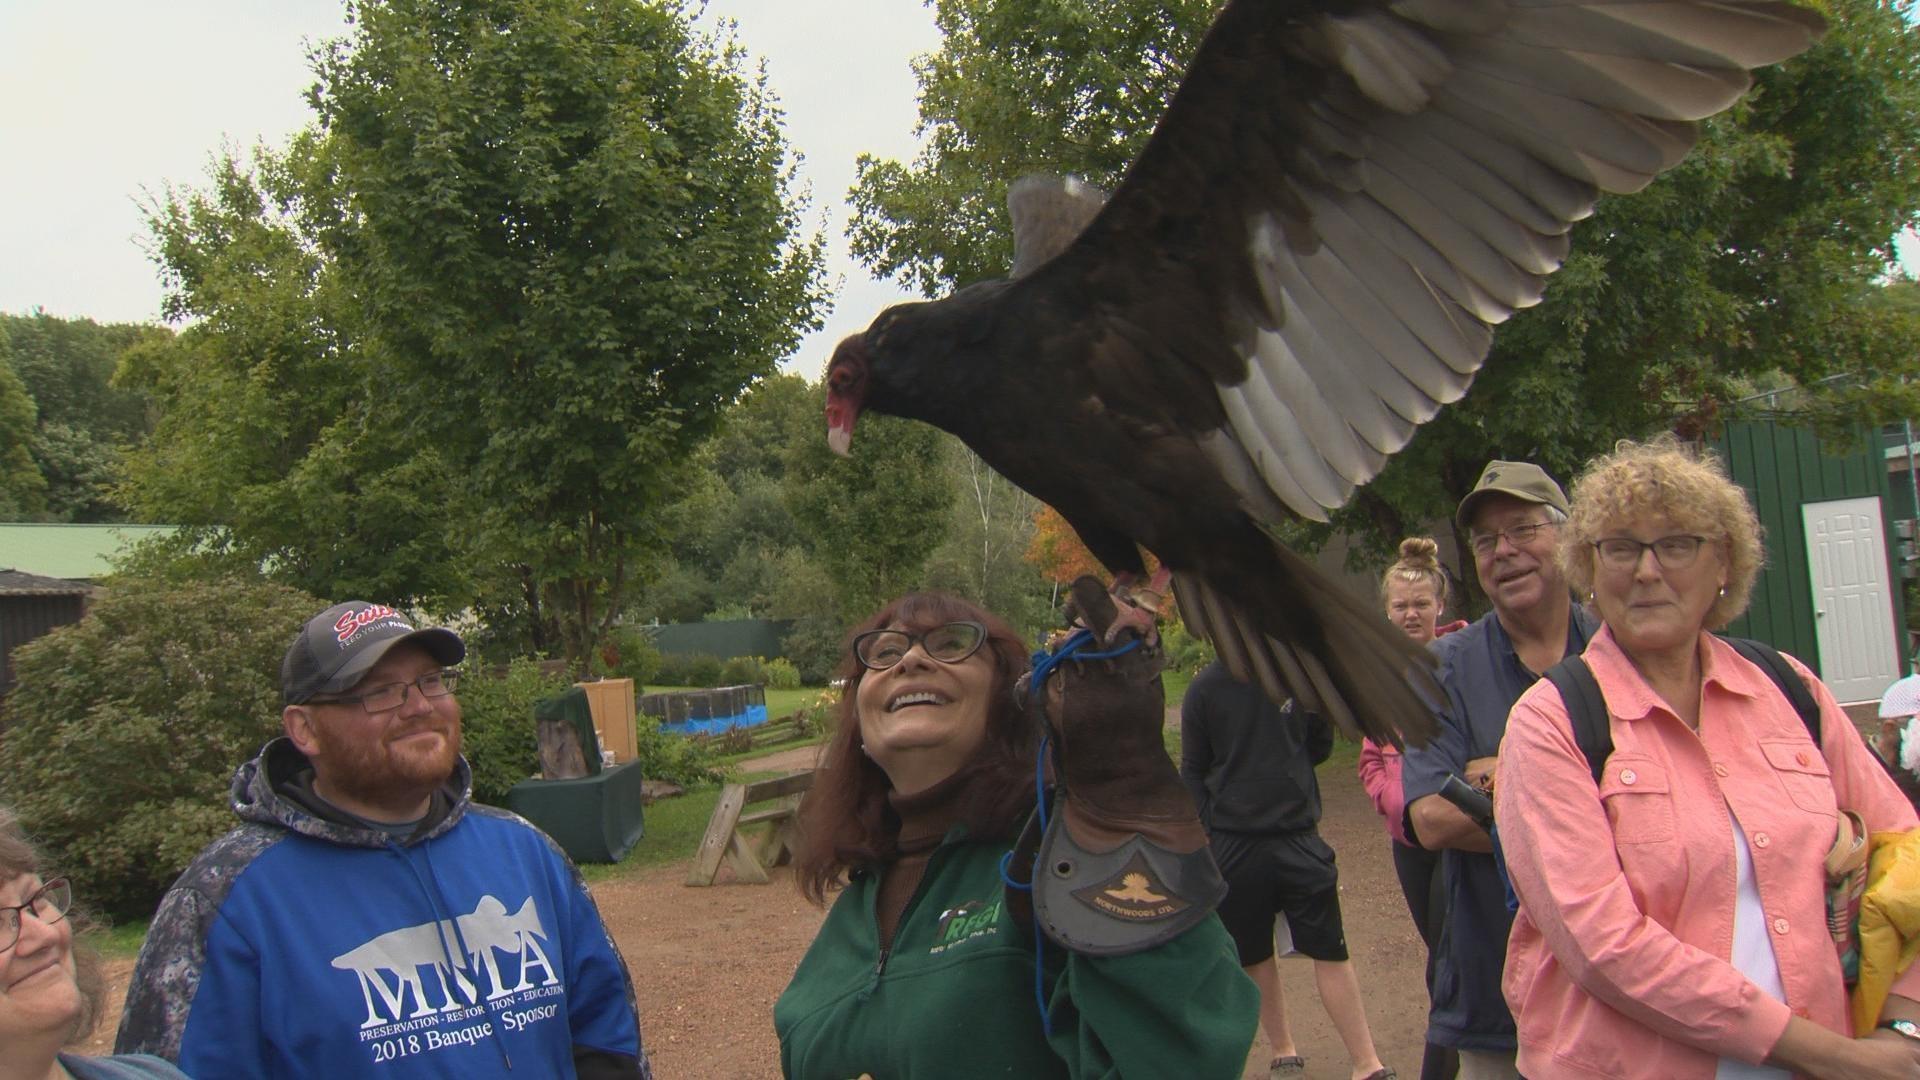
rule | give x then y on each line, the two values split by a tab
1336	210
1306	263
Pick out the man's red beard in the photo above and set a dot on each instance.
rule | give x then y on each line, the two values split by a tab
382	773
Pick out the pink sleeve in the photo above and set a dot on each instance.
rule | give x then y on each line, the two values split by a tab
1380	775
1559	851
1861	784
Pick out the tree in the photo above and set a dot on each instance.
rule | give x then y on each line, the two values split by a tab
281	445
82	420
981	556
1756	256
571	231
23	491
872	519
1018	86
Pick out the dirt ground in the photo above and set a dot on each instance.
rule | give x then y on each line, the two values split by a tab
710	962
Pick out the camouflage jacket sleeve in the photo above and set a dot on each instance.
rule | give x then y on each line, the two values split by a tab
166	976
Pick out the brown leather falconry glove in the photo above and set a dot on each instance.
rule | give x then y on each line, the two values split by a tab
1106	717
1124	863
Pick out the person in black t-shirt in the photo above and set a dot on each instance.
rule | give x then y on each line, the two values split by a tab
1250	766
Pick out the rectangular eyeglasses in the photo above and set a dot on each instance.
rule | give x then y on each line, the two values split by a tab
393	695
49	905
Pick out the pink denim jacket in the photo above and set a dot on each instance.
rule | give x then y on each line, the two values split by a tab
1619	965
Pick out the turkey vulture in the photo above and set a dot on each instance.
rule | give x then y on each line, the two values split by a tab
1306	262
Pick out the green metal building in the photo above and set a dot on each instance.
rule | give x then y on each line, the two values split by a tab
1830	592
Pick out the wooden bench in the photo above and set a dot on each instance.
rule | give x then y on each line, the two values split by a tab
750	842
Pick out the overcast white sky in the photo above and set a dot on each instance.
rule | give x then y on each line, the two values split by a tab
101	100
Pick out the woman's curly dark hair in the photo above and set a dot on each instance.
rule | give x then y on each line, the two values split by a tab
846	822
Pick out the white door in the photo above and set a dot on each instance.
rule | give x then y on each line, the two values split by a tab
1852	598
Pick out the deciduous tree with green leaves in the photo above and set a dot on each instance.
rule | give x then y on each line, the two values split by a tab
23	491
82	421
1756	258
572	231
282	445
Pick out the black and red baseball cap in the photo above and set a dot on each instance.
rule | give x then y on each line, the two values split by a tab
337	646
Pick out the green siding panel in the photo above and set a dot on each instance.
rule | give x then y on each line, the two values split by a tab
1783	468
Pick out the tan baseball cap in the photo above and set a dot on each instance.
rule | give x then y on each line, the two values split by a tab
1522	480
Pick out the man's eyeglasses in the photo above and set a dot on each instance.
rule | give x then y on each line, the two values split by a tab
1671	552
49	905
878	650
393	695
1518	536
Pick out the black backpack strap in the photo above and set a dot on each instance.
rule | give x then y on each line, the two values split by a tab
1586	711
1768	659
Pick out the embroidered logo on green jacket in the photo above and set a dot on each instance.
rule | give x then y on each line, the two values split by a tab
975	918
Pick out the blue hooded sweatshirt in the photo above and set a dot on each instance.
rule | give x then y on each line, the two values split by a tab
301	946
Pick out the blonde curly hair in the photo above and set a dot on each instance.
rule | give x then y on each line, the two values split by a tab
1419	562
1665	478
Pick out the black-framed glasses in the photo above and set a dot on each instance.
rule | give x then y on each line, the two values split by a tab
1517	535
49	905
1675	552
878	650
393	695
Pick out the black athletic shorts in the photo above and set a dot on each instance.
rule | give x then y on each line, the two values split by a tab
1288	873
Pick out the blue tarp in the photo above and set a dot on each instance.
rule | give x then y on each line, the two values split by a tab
707	712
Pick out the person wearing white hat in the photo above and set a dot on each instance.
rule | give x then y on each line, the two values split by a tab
1898	742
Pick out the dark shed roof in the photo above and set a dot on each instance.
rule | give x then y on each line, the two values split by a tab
20	583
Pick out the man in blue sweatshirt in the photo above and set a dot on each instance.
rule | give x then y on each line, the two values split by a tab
367	918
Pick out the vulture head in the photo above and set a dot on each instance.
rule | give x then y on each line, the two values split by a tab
847	377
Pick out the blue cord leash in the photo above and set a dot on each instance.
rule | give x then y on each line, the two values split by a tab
1044	664
1040	807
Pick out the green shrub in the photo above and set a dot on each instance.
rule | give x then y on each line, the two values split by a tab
689	669
1186	652
734	740
672	670
679	759
779	674
817	715
814	645
124	729
497	725
741	671
636	657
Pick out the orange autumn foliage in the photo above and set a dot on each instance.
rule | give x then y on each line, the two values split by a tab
1057	552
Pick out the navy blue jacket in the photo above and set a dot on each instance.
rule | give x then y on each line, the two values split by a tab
1483	677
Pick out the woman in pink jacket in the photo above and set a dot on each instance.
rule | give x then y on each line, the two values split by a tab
1414	591
1672	921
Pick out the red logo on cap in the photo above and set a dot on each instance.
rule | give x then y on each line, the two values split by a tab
352	622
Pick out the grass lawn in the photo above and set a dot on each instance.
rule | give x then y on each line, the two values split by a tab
674	829
121	942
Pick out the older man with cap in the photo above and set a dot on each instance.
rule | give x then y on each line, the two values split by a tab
1512	518
368	919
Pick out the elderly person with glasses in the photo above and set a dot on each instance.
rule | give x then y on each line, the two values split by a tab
50	990
1672	918
929	962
